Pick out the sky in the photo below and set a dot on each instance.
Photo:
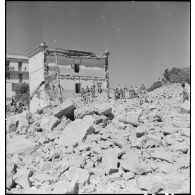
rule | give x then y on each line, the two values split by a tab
144	38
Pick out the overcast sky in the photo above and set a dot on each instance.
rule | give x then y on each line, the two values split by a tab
144	38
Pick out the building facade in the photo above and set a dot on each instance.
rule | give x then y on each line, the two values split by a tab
17	71
72	73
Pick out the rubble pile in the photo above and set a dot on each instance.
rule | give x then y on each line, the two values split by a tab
109	147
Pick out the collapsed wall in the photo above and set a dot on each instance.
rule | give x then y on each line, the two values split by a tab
64	75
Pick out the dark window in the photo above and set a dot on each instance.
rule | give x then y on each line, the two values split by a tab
76	68
77	87
7	75
19	66
20	78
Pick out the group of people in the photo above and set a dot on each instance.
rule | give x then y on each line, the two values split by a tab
88	94
120	93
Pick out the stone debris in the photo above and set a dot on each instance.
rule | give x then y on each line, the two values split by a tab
103	147
185	107
65	109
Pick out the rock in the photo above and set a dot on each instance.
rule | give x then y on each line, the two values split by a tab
185	107
185	132
76	160
153	140
128	175
79	175
103	109
11	124
163	155
131	118
140	131
77	131
151	183
83	111
65	109
101	120
22	177
49	122
183	147
10	171
34	191
61	126
43	177
168	128
22	125
130	162
65	187
20	145
110	161
44	165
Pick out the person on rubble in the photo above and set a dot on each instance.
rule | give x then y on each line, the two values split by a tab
136	91
82	93
87	95
130	92
124	93
185	93
84	96
92	93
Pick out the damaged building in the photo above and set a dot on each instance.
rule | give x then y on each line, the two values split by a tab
60	74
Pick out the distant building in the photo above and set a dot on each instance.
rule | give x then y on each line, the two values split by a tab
17	71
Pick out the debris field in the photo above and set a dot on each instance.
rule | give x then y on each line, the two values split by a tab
107	146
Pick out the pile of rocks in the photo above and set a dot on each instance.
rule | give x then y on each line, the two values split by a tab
105	147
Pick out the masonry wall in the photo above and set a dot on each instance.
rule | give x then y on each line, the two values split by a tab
68	85
36	76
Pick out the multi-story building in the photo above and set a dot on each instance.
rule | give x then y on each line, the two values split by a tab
17	71
74	69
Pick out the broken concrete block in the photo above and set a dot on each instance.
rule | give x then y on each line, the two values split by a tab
22	177
20	145
153	140
65	109
128	175
103	109
10	171
163	155
11	124
79	175
110	161
22	125
83	111
49	122
151	183
63	123
130	162
77	131
140	131
168	128
131	118
185	107
64	187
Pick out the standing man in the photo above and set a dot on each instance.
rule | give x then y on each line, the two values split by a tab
185	93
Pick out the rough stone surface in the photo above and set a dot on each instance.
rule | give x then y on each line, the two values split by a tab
185	107
104	109
130	162
83	111
109	161
95	152
10	171
65	109
49	122
77	131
